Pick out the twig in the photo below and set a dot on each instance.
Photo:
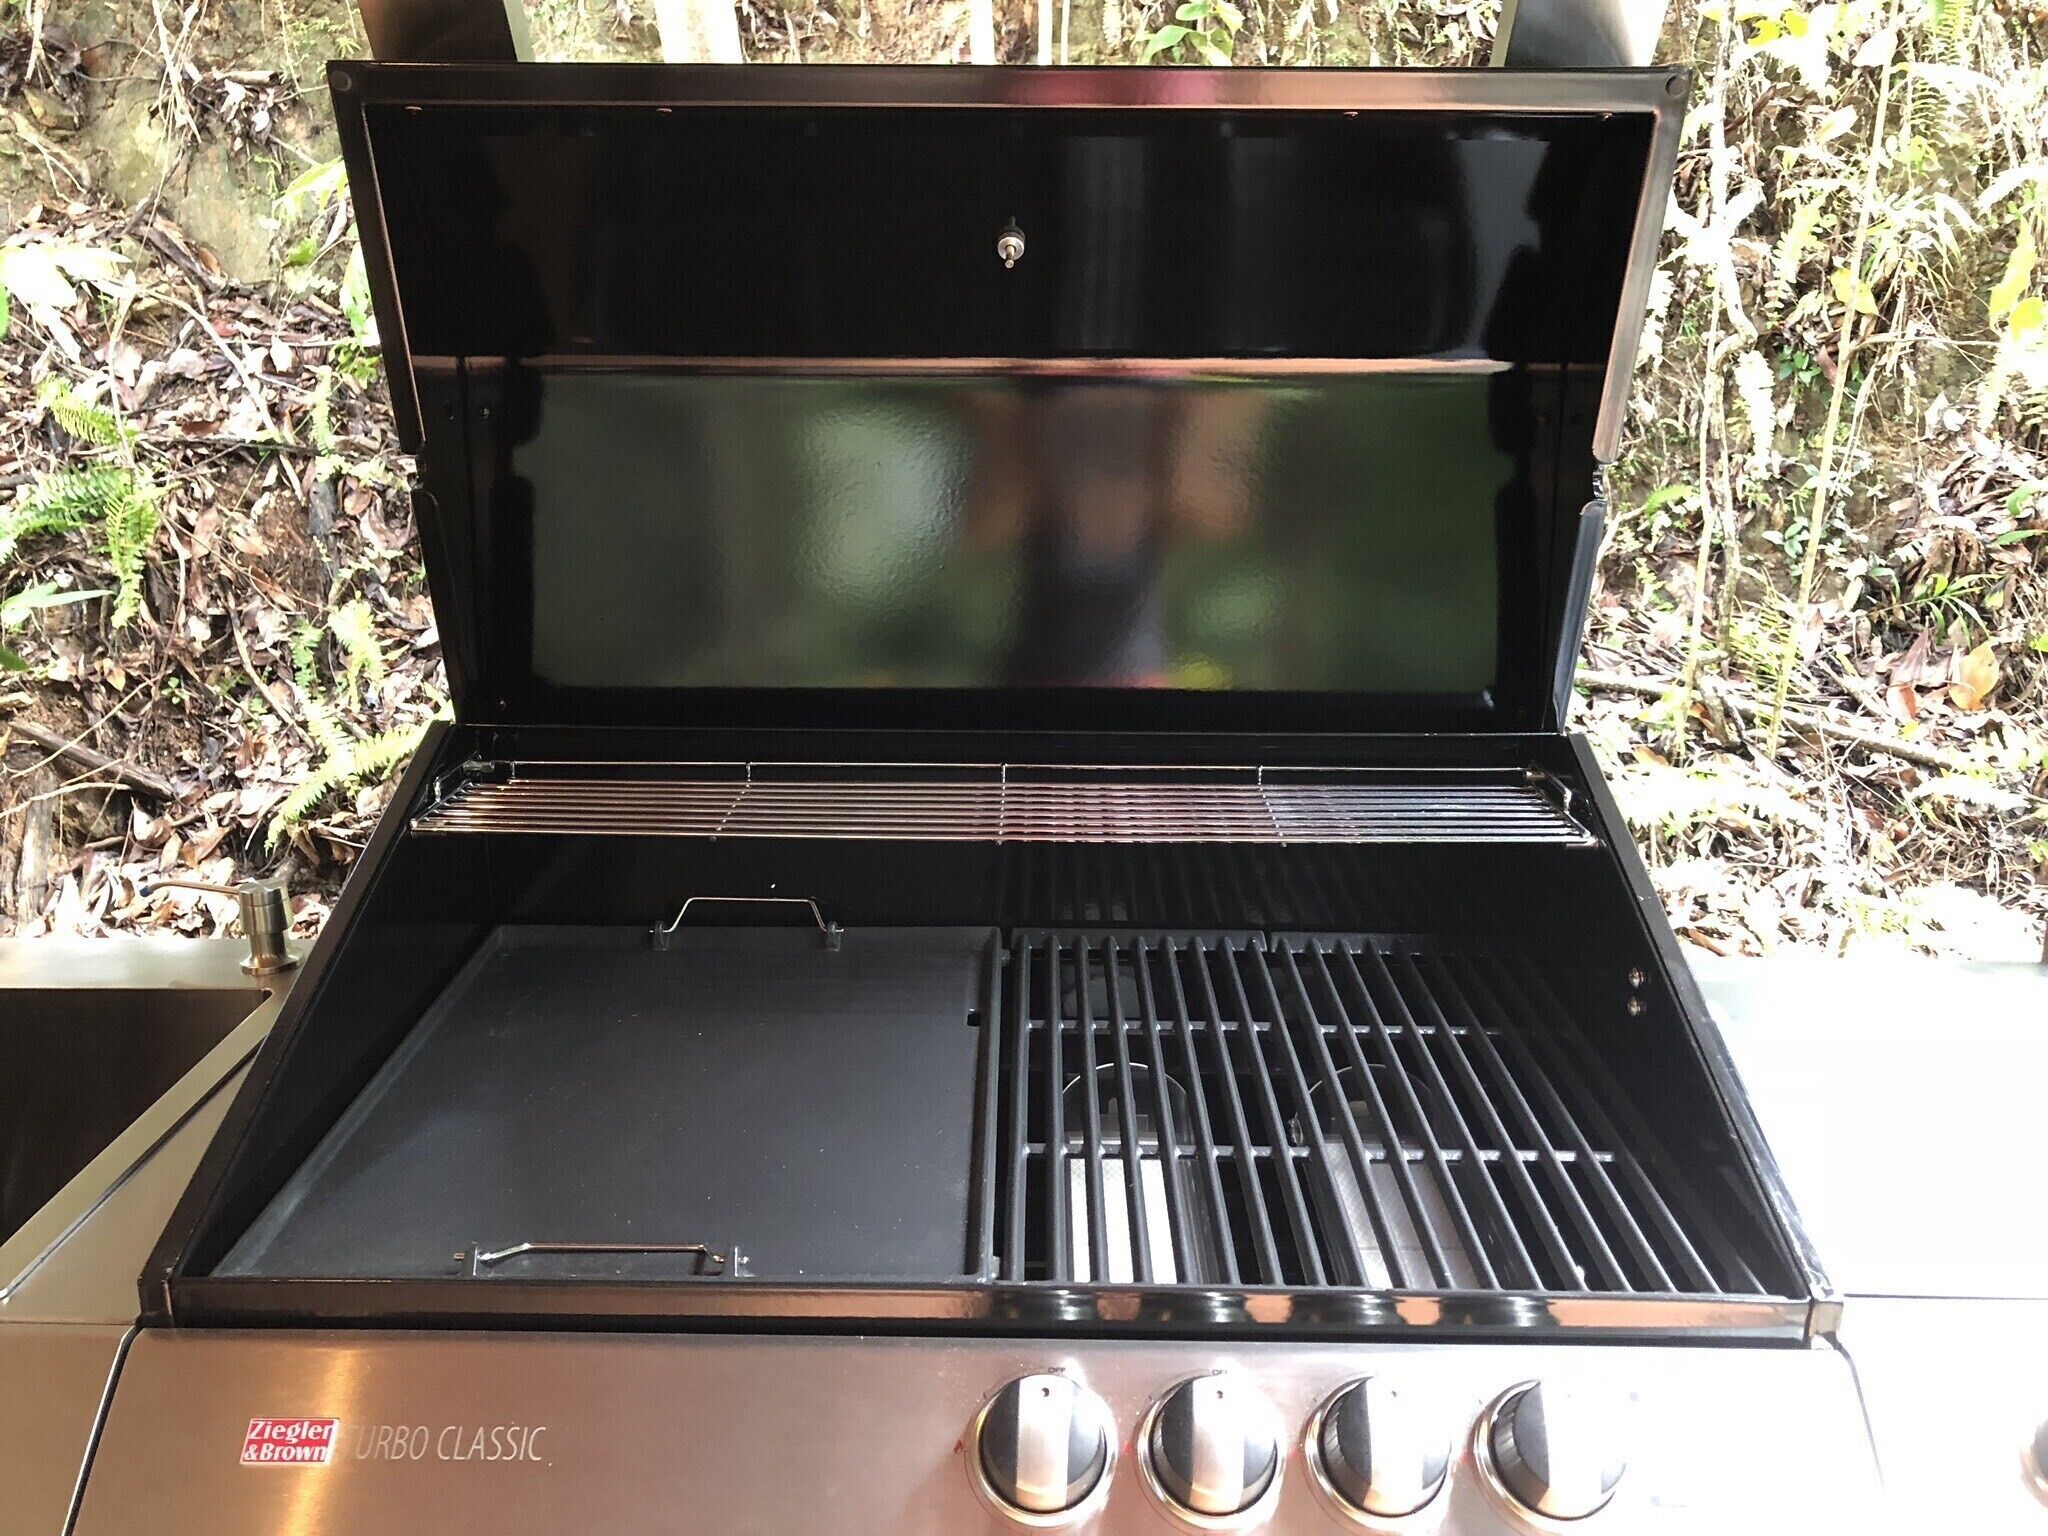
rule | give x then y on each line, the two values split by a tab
1845	348
234	363
79	754
277	705
1751	710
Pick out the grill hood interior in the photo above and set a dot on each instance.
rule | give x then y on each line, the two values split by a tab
1287	417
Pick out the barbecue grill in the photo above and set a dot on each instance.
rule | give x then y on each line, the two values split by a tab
1006	932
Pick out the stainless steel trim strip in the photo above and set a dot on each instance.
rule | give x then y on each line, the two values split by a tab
661	86
1033	367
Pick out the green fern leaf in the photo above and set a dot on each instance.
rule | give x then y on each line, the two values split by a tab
356	760
375	758
130	529
299	804
69	498
321	723
354	627
85	422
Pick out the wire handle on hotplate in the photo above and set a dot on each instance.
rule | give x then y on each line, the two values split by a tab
829	931
731	1263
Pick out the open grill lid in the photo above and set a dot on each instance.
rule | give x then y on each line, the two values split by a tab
1284	414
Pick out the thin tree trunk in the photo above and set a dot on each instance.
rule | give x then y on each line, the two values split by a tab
981	32
698	31
1045	31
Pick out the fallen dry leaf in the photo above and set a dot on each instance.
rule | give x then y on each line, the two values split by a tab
1976	676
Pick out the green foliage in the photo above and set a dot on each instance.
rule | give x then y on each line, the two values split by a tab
1202	32
114	497
355	629
355	300
66	499
360	760
131	528
312	191
348	760
331	462
87	423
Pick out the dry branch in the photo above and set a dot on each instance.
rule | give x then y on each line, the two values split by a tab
80	755
1844	731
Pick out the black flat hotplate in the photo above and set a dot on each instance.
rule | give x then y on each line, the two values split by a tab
749	1087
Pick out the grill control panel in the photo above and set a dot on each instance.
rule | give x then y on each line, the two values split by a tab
646	1435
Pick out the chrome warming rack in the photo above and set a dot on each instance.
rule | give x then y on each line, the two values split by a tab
1005	803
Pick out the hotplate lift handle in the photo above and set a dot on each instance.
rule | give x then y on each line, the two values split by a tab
830	932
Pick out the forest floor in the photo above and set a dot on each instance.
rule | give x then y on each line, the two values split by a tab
220	645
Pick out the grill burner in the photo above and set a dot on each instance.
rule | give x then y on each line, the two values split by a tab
1340	1111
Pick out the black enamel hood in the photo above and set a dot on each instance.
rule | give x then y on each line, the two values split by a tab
1036	399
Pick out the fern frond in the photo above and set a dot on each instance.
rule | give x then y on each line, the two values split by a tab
297	805
354	627
321	723
82	420
377	756
358	760
1790	253
69	498
1754	392
130	529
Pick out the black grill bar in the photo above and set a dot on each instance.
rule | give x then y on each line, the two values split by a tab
1091	1117
1392	1150
1328	1111
1439	1158
1208	1161
1509	1092
1551	1029
1618	1213
1019	1106
1127	1127
1347	1125
1245	1149
1250	1032
1056	1132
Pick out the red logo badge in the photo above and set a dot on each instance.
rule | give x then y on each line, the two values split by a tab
290	1442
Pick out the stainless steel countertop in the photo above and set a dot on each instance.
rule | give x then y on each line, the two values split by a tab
77	1259
1904	1099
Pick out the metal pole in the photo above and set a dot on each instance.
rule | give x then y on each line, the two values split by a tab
1577	34
446	31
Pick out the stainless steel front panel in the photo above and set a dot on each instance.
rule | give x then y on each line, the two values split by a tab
1955	1392
52	1382
530	1434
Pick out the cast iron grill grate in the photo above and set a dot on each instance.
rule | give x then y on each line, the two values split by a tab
1225	1109
995	803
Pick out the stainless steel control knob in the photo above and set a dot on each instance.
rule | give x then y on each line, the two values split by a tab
1042	1447
1211	1448
1378	1451
1554	1452
2037	1460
